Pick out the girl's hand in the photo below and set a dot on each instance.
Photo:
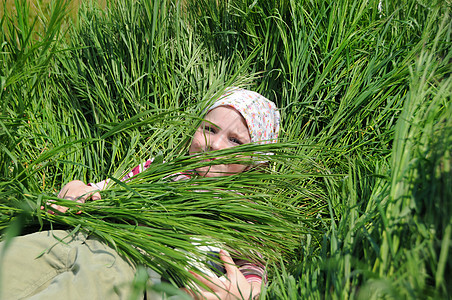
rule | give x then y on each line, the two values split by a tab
234	287
78	191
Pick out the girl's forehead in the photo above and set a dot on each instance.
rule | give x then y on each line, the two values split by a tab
227	117
225	114
219	111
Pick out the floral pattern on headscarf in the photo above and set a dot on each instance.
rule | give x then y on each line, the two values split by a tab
260	114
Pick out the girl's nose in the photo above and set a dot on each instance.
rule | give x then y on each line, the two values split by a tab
216	142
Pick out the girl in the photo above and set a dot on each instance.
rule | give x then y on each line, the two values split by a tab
238	117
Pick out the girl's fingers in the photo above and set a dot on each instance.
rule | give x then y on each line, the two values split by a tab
64	209
96	196
85	196
229	266
212	283
207	296
75	191
59	208
90	194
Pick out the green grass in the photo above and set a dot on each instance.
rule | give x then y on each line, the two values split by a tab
356	202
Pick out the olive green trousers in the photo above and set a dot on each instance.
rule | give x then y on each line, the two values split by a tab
38	266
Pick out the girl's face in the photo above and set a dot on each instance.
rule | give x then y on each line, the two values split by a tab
225	128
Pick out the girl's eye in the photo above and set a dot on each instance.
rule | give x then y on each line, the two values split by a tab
236	141
209	129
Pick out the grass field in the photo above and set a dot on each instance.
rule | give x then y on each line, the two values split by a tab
356	203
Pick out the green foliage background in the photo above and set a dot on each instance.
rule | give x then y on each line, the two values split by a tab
357	200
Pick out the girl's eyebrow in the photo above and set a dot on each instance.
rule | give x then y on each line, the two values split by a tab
209	123
243	135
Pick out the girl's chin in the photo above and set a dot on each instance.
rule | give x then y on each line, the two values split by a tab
212	172
221	170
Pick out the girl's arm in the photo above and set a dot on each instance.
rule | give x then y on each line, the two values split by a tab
78	191
101	185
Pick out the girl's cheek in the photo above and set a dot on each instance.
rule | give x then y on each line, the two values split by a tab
192	148
196	143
